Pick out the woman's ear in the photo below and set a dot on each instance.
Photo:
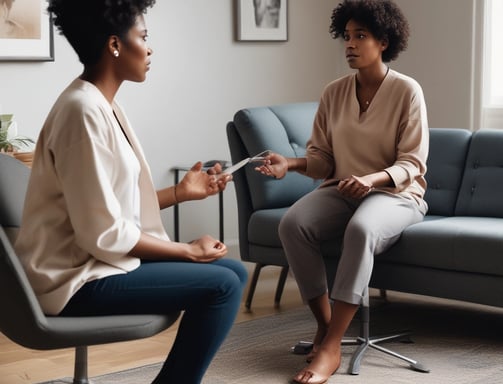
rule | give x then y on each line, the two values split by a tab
113	46
384	45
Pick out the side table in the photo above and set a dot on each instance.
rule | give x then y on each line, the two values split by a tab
176	213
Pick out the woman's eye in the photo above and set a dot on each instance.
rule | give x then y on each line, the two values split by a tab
361	36
346	37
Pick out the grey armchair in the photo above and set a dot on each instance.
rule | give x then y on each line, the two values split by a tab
22	319
262	201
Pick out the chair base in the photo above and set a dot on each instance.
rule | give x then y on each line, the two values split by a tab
304	347
371	342
80	370
365	341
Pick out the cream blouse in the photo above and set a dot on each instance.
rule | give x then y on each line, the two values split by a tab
89	198
392	135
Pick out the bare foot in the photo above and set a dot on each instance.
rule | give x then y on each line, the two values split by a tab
325	364
318	339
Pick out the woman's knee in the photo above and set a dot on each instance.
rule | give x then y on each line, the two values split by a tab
237	267
357	231
229	288
241	272
289	224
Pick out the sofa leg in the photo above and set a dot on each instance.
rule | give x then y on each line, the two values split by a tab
253	285
281	286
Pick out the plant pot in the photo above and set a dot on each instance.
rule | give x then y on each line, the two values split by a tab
24	157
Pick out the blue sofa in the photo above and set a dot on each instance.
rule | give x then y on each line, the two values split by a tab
455	253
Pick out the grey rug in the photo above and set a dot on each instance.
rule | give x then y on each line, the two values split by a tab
460	344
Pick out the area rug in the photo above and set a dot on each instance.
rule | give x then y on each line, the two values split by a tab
460	344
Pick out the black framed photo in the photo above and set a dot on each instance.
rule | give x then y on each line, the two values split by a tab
26	32
262	20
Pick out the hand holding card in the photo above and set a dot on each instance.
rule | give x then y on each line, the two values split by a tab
254	159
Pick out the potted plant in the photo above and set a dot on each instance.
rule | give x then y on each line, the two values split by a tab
12	144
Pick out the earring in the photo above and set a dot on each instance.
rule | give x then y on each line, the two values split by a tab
116	53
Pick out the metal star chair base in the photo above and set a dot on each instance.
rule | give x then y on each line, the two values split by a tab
365	341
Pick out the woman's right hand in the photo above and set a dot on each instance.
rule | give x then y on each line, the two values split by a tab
206	249
274	165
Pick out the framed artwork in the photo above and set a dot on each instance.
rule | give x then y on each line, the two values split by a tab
262	20
26	32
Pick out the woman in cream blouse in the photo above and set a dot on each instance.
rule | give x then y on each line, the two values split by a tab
92	241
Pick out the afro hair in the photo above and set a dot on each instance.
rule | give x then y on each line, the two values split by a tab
383	19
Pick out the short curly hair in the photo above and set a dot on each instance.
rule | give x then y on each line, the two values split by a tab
87	24
383	19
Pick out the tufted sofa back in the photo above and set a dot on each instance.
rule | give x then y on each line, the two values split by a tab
481	192
446	160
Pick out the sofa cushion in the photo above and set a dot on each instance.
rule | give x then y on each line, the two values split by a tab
281	129
467	244
445	165
482	186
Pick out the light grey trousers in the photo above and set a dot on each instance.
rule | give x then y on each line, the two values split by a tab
368	227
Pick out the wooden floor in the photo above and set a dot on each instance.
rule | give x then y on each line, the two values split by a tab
19	365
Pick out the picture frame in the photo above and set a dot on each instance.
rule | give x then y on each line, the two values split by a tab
262	20
27	32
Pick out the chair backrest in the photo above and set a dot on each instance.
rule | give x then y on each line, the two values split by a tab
21	316
284	129
15	176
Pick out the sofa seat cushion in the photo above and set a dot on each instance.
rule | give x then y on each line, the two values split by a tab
263	227
459	243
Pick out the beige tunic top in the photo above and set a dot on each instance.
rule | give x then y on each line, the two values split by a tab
392	135
90	195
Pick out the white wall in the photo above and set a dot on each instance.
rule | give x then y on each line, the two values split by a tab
200	76
440	57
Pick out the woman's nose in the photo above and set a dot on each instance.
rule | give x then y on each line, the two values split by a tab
350	43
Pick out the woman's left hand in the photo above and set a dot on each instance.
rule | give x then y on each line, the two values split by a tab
198	184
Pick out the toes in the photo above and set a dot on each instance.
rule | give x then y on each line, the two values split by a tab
303	377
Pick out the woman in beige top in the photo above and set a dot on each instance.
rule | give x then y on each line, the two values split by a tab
92	241
369	143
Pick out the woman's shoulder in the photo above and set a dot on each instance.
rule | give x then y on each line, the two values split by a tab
344	81
338	86
79	96
81	107
405	82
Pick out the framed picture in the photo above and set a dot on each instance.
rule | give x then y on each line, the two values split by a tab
262	20
26	32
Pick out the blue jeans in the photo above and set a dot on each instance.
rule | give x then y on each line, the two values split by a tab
208	293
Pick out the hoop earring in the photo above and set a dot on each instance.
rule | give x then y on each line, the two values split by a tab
116	53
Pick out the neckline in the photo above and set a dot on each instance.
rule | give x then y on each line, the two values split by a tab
367	103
